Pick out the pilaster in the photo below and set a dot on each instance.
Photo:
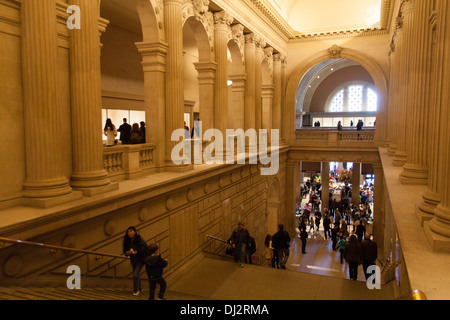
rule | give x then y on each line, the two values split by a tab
154	68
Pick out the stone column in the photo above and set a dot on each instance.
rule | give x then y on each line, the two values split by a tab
236	114
415	171
259	56
154	67
206	81
45	183
404	90
276	110
267	95
284	108
173	20
356	182
378	209
290	195
432	197
438	229
250	87
325	178
222	22
392	106
88	173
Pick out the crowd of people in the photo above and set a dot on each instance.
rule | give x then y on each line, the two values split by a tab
344	224
134	134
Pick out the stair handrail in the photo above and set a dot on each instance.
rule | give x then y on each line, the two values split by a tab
413	295
215	238
49	246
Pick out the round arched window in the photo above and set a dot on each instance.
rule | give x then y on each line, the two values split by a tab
353	97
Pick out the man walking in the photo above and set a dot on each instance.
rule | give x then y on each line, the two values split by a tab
240	241
281	242
369	252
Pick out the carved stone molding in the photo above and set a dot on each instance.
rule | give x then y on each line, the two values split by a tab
199	10
335	51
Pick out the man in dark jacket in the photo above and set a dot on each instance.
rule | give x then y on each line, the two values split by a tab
369	252
240	241
125	132
154	266
281	242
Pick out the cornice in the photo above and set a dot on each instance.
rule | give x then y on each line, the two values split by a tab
337	35
266	11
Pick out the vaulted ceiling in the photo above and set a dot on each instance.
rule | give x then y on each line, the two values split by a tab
315	16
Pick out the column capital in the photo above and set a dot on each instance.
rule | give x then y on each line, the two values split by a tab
223	18
250	38
152	48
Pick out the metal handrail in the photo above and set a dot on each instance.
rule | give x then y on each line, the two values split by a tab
42	245
215	238
413	295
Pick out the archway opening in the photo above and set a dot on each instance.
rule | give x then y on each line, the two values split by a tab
333	91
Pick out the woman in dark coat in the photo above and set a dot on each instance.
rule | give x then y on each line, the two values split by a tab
136	248
353	255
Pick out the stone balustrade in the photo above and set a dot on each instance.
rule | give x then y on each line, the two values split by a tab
333	137
128	161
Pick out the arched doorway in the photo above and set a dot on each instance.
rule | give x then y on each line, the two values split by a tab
325	59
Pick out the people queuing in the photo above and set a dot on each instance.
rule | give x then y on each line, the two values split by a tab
129	134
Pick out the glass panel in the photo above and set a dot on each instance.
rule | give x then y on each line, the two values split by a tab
104	117
327	122
337	104
355	98
336	120
317	120
372	100
369	121
348	121
136	117
117	116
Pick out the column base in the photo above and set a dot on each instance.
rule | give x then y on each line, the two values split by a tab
437	242
171	167
437	230
46	188
424	214
425	210
414	174
392	149
400	159
44	203
88	180
89	192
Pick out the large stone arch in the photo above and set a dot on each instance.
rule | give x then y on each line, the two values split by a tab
372	67
151	16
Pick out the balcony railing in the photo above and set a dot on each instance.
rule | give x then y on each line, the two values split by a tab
333	137
128	161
